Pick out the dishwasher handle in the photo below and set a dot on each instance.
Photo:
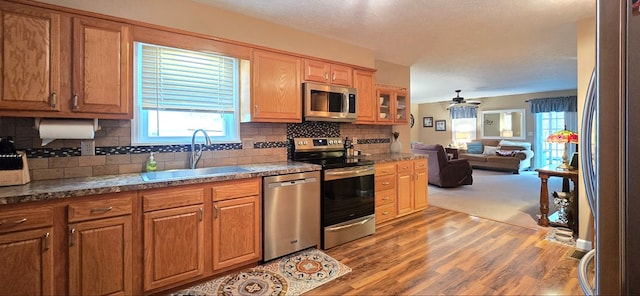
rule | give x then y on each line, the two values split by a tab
292	182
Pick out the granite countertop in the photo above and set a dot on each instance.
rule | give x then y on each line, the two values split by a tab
63	188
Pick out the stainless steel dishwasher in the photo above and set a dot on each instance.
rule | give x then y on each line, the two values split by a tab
291	213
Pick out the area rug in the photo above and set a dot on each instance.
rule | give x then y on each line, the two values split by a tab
293	274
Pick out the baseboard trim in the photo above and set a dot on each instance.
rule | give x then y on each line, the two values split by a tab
583	244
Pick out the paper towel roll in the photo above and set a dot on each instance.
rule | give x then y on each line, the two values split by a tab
52	129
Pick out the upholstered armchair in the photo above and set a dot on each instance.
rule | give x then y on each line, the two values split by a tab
442	171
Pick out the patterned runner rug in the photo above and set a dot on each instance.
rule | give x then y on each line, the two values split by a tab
290	275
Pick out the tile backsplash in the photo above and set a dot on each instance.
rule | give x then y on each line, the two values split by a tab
260	143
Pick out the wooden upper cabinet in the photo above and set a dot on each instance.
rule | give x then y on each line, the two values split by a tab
392	105
276	88
319	71
61	65
30	64
364	82
102	56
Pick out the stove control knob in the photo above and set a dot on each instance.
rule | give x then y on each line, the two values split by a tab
331	142
300	143
339	142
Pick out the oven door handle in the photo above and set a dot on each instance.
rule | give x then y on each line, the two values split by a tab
349	173
349	225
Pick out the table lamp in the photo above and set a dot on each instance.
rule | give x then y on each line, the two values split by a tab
565	137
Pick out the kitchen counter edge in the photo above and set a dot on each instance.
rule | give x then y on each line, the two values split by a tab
76	187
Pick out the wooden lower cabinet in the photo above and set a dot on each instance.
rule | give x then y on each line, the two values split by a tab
26	262
412	186
173	246
100	245
236	232
385	192
401	188
100	257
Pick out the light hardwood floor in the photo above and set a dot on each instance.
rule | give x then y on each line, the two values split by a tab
441	252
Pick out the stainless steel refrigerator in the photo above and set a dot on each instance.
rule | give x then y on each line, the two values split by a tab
614	191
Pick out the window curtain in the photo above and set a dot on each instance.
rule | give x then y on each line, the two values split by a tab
457	112
557	104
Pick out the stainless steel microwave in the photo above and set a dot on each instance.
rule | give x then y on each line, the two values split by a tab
323	102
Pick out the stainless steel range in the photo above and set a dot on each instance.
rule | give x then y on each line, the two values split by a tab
347	190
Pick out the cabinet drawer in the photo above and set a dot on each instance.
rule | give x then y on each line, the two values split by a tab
385	182
234	189
104	208
385	197
420	164
385	212
26	219
385	169
405	166
167	198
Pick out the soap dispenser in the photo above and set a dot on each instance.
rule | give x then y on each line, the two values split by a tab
152	165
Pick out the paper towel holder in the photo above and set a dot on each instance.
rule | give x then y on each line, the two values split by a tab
36	125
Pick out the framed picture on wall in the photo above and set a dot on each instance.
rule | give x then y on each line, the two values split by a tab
441	125
427	121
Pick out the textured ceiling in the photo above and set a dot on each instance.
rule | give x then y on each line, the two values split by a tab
484	47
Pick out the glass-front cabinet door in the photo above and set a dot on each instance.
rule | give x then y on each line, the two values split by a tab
401	107
393	105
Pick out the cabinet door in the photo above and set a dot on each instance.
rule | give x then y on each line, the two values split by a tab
100	257
236	232
30	62
277	89
341	75
364	82
421	190
384	105
173	246
26	258
316	71
405	198
101	67
400	107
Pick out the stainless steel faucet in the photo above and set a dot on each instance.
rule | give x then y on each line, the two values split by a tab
195	156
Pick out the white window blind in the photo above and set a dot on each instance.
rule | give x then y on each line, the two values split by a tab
177	79
178	91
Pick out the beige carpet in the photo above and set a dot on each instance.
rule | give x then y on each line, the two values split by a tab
499	196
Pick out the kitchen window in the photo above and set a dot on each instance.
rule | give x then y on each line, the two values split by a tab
178	91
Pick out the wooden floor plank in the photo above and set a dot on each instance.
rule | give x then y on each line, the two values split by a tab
441	252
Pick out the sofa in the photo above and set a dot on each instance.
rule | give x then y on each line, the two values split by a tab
442	171
505	155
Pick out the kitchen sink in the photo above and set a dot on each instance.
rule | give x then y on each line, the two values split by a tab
191	173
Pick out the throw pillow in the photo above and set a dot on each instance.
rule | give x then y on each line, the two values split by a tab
490	150
474	148
526	145
501	152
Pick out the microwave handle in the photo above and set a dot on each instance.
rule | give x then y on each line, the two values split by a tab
345	100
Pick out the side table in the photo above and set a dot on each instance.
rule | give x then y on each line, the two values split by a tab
544	174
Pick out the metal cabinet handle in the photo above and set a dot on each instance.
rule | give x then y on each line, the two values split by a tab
101	210
72	237
385	213
75	102
385	198
201	214
46	242
216	210
53	101
16	222
255	110
385	183
326	76
333	77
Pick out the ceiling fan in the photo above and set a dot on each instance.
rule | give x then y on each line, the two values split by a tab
460	101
